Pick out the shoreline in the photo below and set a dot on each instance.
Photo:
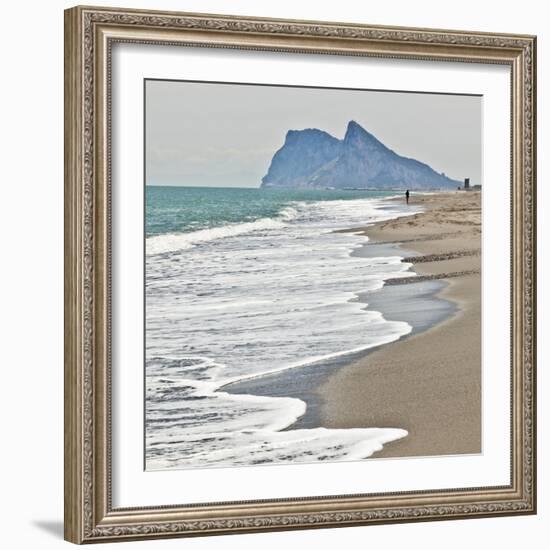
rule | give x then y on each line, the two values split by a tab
303	382
432	391
407	383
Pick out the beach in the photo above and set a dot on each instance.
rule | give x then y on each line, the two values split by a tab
264	287
428	383
339	344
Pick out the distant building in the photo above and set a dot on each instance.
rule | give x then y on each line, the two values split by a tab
468	187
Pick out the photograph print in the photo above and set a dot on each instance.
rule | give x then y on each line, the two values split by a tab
312	274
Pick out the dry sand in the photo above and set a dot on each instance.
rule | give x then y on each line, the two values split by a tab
428	383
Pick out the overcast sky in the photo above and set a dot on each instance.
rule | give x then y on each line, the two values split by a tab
207	134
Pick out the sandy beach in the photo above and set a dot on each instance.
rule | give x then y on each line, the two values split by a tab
427	383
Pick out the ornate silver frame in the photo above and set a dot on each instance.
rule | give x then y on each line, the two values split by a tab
89	36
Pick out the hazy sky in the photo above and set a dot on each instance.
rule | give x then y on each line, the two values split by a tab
226	134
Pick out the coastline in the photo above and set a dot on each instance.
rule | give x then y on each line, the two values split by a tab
432	391
429	383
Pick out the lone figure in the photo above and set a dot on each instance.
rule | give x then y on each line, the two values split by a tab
407	196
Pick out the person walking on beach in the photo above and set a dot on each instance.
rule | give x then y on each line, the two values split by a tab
407	196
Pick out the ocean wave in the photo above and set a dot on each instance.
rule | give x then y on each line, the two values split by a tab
193	424
341	211
172	242
248	307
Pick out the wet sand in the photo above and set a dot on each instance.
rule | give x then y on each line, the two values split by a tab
428	383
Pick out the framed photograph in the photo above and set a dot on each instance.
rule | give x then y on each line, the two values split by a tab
300	274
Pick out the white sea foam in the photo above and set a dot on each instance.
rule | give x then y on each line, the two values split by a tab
172	242
238	302
248	433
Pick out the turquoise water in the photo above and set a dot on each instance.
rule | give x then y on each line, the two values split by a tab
185	209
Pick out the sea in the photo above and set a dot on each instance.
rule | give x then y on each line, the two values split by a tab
240	283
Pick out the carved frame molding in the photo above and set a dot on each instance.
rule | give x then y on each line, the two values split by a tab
89	36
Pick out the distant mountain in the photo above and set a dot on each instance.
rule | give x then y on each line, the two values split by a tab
313	158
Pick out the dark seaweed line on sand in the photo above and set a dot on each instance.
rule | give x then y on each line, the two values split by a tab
442	257
423	238
421	278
